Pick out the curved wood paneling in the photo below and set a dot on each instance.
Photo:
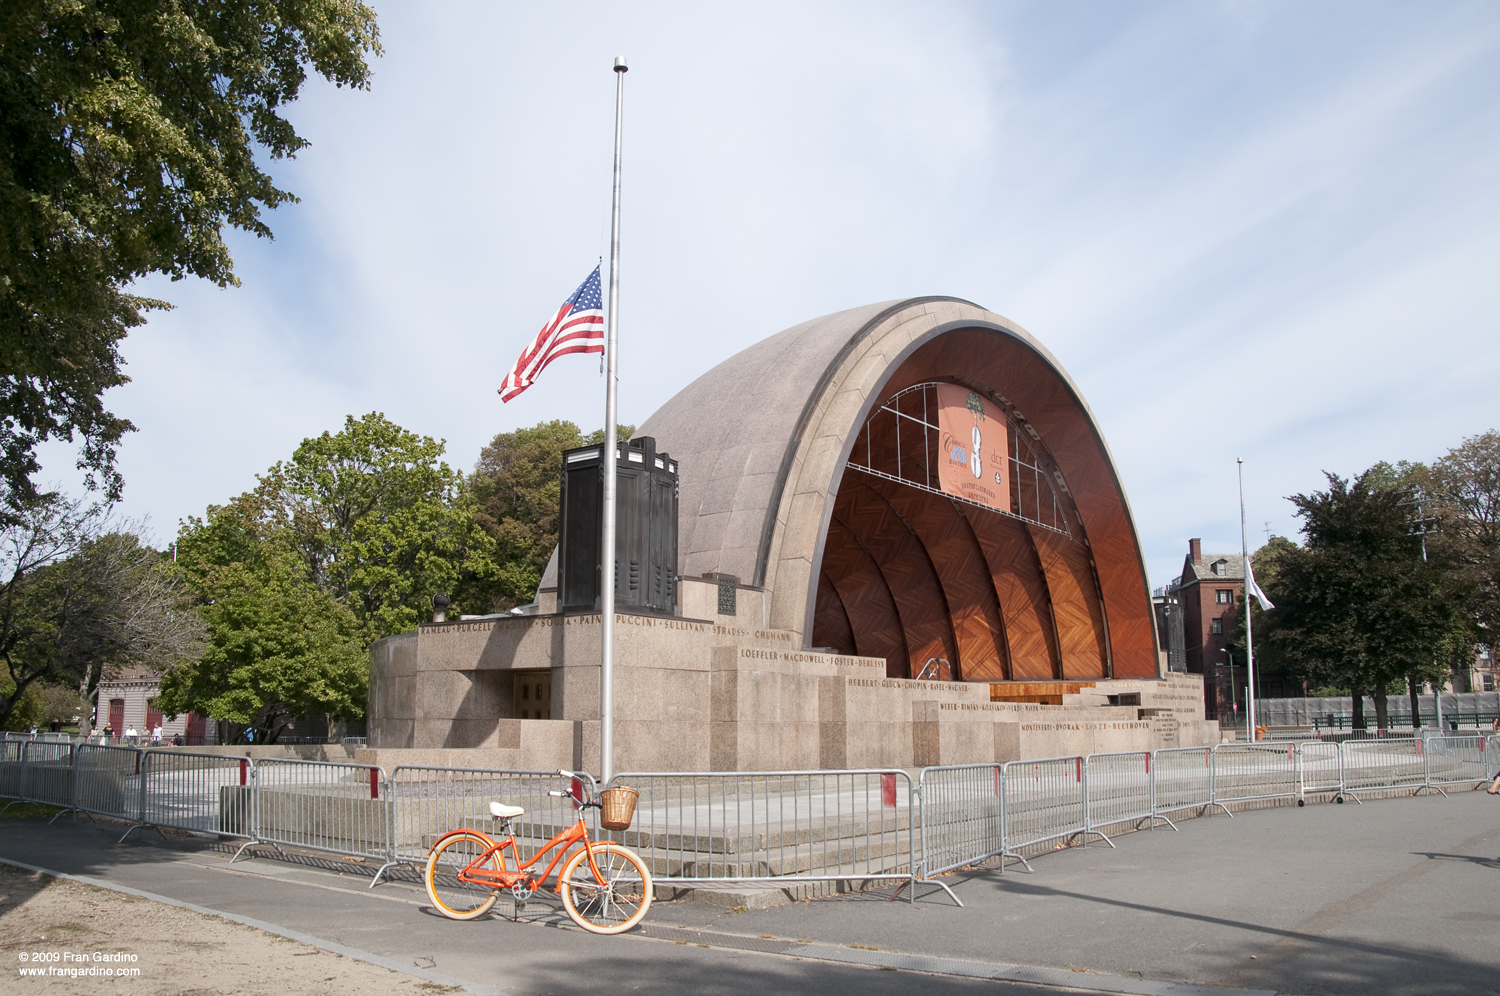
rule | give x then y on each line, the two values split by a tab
831	624
964	575
1022	591
871	610
926	622
1075	604
992	361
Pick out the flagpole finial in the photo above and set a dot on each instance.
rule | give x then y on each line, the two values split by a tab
620	66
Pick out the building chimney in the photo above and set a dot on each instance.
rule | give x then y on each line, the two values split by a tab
1195	546
440	605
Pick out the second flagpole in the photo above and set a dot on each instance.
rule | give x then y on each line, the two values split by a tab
607	540
1249	639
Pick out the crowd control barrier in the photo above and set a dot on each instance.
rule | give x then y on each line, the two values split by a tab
1120	789
963	816
203	793
327	806
776	827
427	802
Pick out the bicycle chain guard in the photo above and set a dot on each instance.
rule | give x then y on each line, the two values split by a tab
523	891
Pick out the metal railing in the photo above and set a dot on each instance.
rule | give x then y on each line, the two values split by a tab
328	806
202	793
1184	779
1045	801
1255	772
963	816
1383	765
1120	789
777	827
427	802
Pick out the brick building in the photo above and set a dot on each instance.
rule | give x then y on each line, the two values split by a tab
1209	593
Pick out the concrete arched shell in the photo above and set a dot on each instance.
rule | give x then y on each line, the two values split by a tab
762	441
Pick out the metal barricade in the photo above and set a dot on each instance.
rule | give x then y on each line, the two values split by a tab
1044	800
427	802
47	773
205	793
1254	771
963	816
320	805
108	782
10	767
1490	747
1119	789
1383	765
1454	760
775	826
1320	771
1183	778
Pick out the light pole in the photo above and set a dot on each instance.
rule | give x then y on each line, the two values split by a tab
1233	702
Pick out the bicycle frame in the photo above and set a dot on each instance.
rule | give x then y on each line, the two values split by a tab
505	878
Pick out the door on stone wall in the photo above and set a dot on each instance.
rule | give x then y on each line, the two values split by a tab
532	697
195	730
153	716
117	716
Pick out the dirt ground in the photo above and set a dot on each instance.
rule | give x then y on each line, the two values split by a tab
130	945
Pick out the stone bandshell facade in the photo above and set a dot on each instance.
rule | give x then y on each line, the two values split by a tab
764	444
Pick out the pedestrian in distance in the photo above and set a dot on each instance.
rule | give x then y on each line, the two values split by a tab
1494	788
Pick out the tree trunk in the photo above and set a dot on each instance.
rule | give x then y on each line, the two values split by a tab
1382	719
1416	708
1359	707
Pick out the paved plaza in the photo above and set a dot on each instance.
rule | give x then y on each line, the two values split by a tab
1393	897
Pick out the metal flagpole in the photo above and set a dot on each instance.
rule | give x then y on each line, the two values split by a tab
607	541
1249	640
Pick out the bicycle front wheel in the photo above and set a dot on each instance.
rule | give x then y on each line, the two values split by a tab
456	899
614	900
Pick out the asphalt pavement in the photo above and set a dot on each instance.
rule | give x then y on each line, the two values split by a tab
1395	897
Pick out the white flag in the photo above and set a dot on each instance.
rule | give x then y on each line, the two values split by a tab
1254	589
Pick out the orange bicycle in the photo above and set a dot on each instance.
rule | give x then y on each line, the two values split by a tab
605	886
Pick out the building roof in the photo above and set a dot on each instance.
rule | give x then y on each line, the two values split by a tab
1232	569
734	432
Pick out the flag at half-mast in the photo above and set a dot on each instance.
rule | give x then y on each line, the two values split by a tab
1254	589
577	327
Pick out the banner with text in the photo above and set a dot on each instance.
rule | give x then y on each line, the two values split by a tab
975	462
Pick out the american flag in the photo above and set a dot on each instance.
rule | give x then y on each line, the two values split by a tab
578	327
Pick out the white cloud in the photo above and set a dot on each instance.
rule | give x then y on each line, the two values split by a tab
1189	203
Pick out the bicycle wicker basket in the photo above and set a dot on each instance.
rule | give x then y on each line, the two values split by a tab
617	807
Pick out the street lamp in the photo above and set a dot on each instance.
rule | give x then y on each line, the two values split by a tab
1233	702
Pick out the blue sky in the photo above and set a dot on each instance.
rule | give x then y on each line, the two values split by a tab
1268	230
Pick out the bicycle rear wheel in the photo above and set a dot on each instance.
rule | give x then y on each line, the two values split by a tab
615	900
455	899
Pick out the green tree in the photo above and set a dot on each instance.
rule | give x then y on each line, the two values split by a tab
129	134
517	485
381	523
280	648
82	598
1462	491
1356	605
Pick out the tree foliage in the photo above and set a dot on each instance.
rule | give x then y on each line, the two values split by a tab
279	648
1463	493
129	133
344	543
82	599
517	485
1356	605
381	523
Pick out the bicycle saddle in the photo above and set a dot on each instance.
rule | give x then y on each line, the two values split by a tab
501	811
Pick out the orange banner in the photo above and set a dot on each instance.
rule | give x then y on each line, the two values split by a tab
975	459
